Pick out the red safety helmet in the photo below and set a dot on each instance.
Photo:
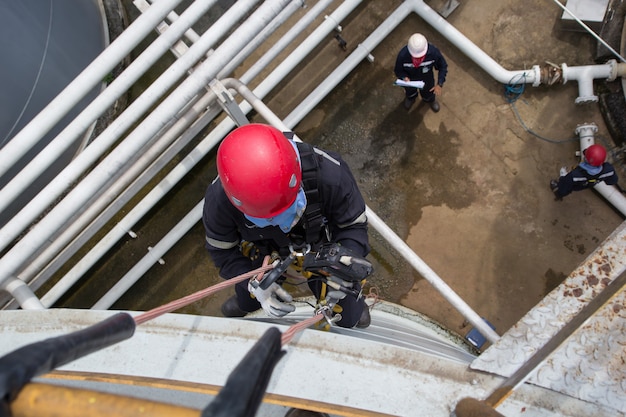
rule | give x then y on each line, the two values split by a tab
259	170
595	155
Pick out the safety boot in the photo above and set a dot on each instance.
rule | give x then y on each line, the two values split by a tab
408	102
231	308
434	105
365	319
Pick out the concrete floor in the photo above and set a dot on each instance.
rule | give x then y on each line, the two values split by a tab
466	188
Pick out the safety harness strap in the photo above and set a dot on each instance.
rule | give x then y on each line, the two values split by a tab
313	217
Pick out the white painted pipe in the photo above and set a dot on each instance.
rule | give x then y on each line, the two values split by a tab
111	134
282	43
613	195
139	174
100	104
356	57
90	77
81	194
318	35
23	294
429	275
153	256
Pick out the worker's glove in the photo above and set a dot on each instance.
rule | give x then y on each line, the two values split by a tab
273	299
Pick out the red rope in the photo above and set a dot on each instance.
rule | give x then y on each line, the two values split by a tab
293	329
182	302
287	336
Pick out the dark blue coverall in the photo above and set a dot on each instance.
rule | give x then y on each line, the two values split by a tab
343	209
432	60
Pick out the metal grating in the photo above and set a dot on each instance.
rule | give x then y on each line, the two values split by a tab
590	364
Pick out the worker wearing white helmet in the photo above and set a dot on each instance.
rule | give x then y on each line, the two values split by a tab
417	61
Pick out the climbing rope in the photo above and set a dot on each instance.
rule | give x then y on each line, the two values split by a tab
189	299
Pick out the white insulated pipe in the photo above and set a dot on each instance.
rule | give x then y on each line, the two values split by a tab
23	294
282	43
111	134
99	105
260	38
186	92
90	77
153	256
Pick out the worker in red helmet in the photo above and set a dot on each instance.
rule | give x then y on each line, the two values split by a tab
588	173
417	61
273	194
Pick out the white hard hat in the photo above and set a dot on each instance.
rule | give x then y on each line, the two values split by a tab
418	45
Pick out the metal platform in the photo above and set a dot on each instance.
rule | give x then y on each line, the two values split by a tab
589	364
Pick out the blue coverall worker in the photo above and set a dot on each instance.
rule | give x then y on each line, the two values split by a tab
417	61
259	200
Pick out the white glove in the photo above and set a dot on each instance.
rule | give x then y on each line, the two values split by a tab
270	302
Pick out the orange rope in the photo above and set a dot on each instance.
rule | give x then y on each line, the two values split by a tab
181	302
292	330
287	336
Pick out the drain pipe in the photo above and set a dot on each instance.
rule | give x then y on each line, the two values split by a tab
154	122
111	134
611	193
89	78
131	74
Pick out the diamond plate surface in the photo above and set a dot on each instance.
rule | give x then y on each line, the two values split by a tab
591	363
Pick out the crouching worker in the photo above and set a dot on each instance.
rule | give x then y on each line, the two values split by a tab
592	170
271	195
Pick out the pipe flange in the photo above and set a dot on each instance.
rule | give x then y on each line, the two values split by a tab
586	99
586	127
564	72
612	63
536	75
